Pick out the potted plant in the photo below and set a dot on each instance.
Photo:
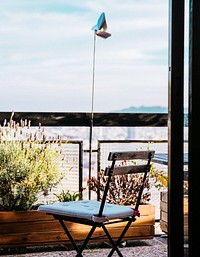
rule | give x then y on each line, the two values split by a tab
29	169
162	183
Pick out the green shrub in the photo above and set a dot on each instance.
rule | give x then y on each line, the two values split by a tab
67	196
27	165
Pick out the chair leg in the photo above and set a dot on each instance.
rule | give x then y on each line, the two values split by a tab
116	244
79	250
70	238
87	238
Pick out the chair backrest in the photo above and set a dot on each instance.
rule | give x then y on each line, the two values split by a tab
135	162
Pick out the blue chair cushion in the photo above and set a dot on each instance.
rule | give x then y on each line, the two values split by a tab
88	209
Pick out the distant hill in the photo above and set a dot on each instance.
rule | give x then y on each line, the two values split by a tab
144	109
152	109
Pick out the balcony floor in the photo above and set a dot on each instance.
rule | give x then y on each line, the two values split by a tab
156	247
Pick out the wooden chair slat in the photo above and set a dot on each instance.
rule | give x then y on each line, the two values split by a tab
120	170
130	155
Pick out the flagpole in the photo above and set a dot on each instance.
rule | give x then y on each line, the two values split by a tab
99	30
92	112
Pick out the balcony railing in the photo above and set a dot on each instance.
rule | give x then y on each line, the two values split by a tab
75	127
74	119
127	129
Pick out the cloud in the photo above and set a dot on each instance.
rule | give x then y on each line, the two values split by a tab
47	51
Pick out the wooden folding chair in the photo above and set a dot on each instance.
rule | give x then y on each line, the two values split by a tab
100	213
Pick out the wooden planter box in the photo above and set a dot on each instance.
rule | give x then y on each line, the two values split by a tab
164	213
33	228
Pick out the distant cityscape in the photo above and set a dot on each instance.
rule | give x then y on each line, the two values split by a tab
118	133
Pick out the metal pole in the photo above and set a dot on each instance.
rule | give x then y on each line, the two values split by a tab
175	128
92	113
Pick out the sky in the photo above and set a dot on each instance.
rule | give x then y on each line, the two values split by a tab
47	54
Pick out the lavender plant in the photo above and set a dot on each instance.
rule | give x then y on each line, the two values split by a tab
27	165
